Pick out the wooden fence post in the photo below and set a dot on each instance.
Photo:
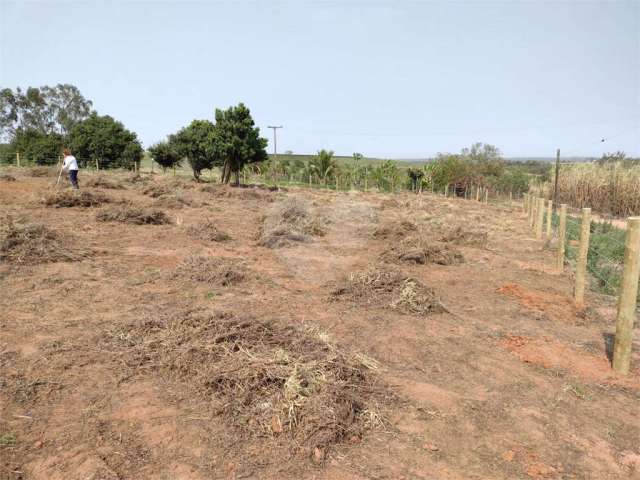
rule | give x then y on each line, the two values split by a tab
562	233
581	264
534	212
446	190
486	195
18	159
540	220
477	194
628	298
524	202
549	215
97	166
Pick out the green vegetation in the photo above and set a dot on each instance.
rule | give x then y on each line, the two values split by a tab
606	252
39	122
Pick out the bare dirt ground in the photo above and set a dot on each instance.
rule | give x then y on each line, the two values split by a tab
505	381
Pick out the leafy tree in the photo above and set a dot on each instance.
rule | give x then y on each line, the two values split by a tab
37	147
45	109
415	176
197	143
323	164
237	141
107	140
165	154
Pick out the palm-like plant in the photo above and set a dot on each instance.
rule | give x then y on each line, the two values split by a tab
323	164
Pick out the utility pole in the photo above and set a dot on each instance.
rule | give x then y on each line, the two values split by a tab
555	188
275	153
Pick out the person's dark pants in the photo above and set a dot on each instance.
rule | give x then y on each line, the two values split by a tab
73	177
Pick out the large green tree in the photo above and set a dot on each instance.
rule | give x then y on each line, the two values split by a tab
197	143
237	141
107	140
46	110
36	147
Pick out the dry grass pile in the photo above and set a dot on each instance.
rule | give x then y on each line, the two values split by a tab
5	177
268	381
76	198
212	270
389	203
173	201
134	215
245	193
466	237
101	181
42	172
158	190
290	221
395	230
137	179
23	243
421	251
208	231
389	288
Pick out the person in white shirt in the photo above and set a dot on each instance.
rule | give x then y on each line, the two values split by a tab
71	165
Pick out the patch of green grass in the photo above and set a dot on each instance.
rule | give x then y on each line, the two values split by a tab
210	295
7	439
605	256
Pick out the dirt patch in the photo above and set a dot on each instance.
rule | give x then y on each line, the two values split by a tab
34	243
389	288
559	307
423	252
75	198
137	179
283	387
5	177
134	215
466	237
289	222
388	203
395	230
552	354
208	231
103	182
212	270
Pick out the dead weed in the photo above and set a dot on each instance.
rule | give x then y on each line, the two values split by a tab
208	231
75	198
212	270
390	288
466	237
421	251
134	215
290	221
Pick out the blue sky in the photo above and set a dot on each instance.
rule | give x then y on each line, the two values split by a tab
392	79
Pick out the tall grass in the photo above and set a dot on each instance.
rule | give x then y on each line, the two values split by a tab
612	188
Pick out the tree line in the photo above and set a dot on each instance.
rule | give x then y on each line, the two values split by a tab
39	122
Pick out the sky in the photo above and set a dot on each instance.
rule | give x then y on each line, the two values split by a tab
389	79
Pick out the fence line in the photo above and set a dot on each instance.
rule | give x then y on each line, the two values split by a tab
595	254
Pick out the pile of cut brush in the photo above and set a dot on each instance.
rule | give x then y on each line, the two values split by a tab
388	288
25	243
421	251
287	387
101	181
7	178
212	270
395	230
467	237
208	231
75	198
290	221
132	214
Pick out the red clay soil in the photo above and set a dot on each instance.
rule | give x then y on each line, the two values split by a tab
509	383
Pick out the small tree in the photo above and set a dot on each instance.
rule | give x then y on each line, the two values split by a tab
237	141
103	138
323	164
165	155
197	143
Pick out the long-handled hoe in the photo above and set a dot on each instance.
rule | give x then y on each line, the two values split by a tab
59	175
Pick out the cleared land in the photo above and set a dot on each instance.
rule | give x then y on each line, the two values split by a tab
160	329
